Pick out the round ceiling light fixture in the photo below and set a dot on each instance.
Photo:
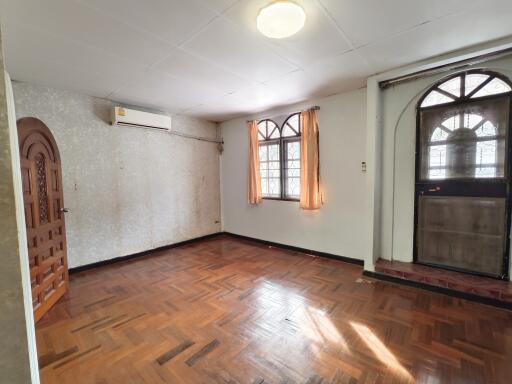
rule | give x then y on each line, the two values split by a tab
281	19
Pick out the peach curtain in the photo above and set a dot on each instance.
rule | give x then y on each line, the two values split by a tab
309	161
254	195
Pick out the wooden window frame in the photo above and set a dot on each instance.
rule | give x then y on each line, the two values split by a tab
283	158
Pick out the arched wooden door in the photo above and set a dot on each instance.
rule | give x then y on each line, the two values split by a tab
44	214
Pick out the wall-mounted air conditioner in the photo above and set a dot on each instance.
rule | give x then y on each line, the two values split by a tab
134	118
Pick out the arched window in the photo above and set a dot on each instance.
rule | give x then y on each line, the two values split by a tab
280	158
463	124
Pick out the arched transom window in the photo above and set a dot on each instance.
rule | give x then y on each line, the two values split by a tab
466	86
279	151
463	123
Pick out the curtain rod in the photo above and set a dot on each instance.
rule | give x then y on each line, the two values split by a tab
316	108
446	67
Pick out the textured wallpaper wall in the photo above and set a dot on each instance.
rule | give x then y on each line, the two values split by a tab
128	189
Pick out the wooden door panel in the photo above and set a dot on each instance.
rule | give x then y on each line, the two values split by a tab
46	234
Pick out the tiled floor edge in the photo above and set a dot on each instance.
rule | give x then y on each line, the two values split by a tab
442	290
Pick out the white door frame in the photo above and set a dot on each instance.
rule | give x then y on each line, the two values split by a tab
22	233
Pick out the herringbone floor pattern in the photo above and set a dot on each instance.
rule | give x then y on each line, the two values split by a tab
230	311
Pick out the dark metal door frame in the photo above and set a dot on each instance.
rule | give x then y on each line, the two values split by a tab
460	187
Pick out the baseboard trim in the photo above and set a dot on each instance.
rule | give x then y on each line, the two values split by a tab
376	275
298	249
234	235
445	291
140	254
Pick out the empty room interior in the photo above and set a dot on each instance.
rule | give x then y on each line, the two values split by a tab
255	191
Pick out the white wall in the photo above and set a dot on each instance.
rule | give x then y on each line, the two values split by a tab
398	160
18	362
128	189
339	226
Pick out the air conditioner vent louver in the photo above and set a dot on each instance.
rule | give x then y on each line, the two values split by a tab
140	119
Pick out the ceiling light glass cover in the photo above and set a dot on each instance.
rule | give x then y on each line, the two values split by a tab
281	19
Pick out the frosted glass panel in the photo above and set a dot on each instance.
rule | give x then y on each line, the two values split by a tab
452	86
494	87
473	81
439	135
464	142
268	130
435	98
437	156
288	131
275	134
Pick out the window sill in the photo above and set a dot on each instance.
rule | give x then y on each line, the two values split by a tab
281	199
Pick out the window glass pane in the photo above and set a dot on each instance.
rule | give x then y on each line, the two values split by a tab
437	156
270	170
452	86
439	173
482	172
264	186
486	152
288	131
471	120
486	129
435	98
275	133
263	153
293	163
291	126
452	123
267	130
474	80
294	122
274	165
439	135
294	172
494	87
469	144
293	187
274	187
262	130
292	169
273	152
293	150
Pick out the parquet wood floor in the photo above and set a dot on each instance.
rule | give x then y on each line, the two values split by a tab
230	311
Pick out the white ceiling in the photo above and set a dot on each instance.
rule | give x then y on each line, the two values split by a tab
205	58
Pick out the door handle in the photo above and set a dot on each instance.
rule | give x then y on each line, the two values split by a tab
64	210
436	189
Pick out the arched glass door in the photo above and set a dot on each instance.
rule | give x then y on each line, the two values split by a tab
463	174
